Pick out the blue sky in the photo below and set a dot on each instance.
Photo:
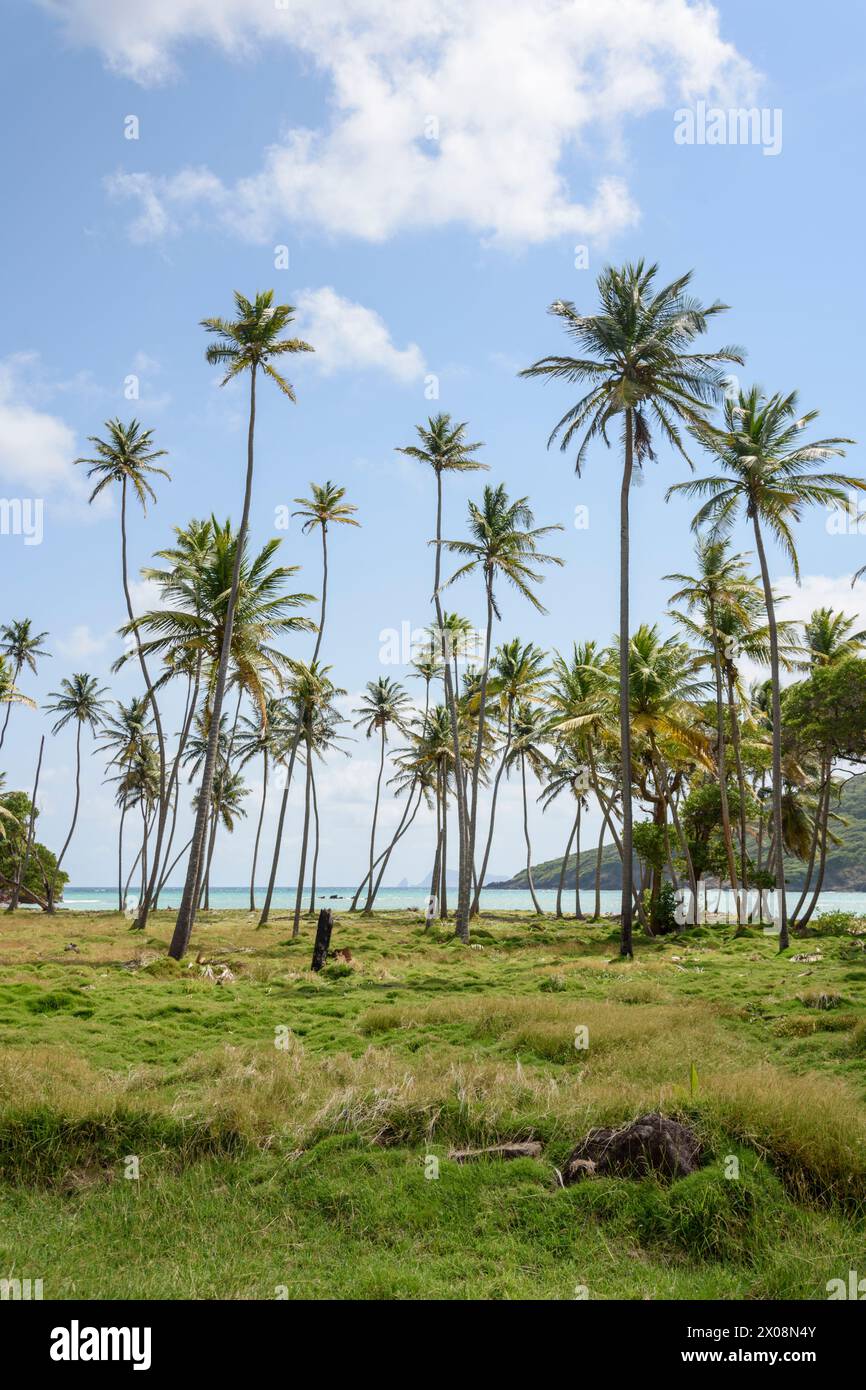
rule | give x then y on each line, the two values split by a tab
305	126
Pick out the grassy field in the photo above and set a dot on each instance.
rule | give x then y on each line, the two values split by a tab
284	1125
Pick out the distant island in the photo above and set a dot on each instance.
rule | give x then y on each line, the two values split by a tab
846	862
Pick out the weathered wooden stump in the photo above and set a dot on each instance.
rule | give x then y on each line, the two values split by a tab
324	927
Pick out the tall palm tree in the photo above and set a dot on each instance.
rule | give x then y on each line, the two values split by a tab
21	645
127	458
9	693
248	343
325	507
766	471
519	673
79	700
643	376
443	447
502	544
384	706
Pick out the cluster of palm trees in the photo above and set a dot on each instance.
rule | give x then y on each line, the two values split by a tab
663	723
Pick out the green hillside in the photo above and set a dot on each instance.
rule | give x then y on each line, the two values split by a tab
846	864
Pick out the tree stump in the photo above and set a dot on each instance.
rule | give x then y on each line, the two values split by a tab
324	927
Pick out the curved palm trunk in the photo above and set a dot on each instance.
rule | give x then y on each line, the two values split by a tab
259	832
483	874
822	815
443	864
598	857
62	855
296	921
315	845
186	915
173	789
625	940
368	903
120	858
149	887
386	855
31	827
816	893
266	910
535	901
461	926
324	592
564	866
779	849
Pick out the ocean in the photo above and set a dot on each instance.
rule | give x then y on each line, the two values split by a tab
340	899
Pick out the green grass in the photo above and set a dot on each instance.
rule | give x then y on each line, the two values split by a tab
284	1124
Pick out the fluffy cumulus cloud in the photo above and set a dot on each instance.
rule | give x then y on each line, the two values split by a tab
441	111
350	336
36	446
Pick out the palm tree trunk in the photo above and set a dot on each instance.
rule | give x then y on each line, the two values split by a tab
401	829
781	904
173	789
822	864
625	943
315	844
578	911
120	857
368	903
77	802
564	866
259	832
296	922
186	915
324	592
266	910
443	866
741	784
479	742
535	901
723	771
461	926
598	857
150	886
31	826
821	819
496	781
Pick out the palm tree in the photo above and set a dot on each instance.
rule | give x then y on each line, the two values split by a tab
127	457
124	735
79	700
264	736
765	469
444	448
325	508
384	706
721	585
9	693
829	638
635	353
531	730
312	694
21	645
502	544
568	773
519	674
249	342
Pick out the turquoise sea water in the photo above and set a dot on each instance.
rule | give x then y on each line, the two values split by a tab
492	899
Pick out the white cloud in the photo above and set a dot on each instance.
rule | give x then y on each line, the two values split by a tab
515	86
349	336
36	447
81	643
